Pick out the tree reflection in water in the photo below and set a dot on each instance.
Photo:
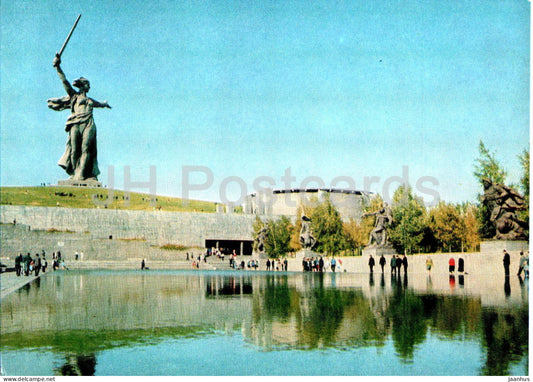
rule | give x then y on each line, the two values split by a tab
505	336
329	316
274	311
81	365
409	325
277	298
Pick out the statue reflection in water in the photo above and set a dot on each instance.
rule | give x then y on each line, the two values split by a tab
82	365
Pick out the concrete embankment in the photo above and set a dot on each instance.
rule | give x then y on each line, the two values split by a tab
10	282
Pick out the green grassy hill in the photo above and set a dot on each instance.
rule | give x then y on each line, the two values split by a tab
73	197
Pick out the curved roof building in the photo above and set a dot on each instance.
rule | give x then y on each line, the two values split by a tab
349	203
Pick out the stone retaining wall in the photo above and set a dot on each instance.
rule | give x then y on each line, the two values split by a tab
157	227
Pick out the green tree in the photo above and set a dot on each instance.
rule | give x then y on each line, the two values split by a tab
278	235
448	226
355	235
487	167
327	227
409	221
524	181
524	184
470	213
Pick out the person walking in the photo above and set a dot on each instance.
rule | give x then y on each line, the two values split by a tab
268	264
451	265
429	263
27	262
333	264
393	265
38	265
382	263
405	264
506	262
461	265
18	264
371	263
522	263
399	263
45	264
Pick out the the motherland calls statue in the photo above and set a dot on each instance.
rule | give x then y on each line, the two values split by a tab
80	159
383	221
307	240
504	202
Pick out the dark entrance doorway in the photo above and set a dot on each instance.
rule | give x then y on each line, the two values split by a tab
241	247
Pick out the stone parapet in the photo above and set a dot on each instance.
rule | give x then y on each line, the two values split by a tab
88	183
497	246
378	251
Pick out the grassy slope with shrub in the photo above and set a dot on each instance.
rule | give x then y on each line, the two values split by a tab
72	197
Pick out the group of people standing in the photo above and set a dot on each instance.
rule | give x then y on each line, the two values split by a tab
318	264
277	265
523	264
27	265
396	263
252	264
460	265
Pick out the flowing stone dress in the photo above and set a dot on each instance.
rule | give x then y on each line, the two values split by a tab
80	157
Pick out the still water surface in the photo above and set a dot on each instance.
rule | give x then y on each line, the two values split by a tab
248	323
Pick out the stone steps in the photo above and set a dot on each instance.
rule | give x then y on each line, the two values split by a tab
150	264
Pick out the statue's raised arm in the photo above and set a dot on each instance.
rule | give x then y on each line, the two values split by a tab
66	84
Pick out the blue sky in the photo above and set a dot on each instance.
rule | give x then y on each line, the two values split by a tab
250	89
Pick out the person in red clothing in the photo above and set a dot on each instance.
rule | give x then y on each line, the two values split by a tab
451	263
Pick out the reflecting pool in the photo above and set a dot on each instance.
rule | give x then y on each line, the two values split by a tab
261	323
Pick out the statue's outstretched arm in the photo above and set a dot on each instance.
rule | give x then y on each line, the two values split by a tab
68	87
100	104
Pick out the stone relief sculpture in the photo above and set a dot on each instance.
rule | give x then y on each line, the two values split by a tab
260	239
378	236
307	240
504	202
